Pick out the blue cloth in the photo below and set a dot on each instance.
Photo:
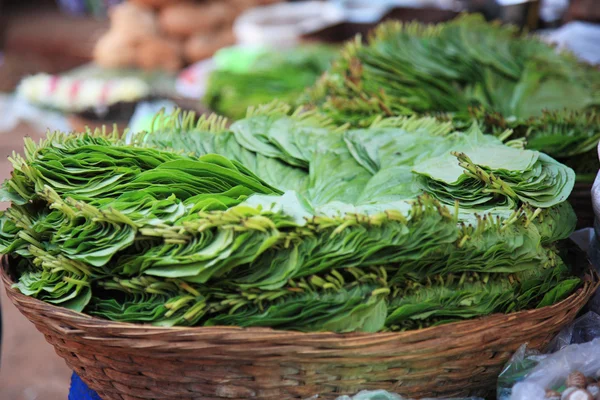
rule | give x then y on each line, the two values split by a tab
80	391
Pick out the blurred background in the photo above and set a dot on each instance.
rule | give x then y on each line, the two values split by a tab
68	64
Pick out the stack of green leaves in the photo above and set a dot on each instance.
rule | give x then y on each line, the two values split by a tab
469	68
287	221
282	75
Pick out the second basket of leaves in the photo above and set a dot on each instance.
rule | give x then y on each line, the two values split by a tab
285	257
468	69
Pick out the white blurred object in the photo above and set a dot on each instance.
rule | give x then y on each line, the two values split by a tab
553	10
73	94
144	113
529	391
371	11
582	38
191	82
365	11
282	24
14	110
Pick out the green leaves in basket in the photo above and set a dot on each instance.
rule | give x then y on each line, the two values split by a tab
274	74
57	281
496	175
472	70
147	299
89	168
559	292
338	311
470	295
9	241
288	221
570	137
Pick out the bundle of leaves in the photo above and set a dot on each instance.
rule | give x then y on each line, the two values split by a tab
285	221
282	75
469	68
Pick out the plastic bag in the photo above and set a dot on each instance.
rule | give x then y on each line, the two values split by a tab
528	374
551	371
594	257
584	329
522	362
594	248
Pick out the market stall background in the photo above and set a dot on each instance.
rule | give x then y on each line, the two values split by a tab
27	49
29	369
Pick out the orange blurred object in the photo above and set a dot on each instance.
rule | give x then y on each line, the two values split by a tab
167	34
159	53
200	47
115	50
186	19
156	3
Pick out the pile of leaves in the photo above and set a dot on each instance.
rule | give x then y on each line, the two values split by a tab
281	74
286	221
468	68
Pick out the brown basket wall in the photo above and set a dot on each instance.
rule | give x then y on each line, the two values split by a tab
131	362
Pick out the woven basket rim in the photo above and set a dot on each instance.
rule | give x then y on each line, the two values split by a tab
590	279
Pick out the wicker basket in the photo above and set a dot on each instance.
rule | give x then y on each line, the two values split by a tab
581	200
130	362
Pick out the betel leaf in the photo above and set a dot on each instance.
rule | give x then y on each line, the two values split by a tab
287	221
469	69
559	292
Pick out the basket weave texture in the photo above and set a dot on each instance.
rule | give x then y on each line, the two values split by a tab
122	361
581	200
